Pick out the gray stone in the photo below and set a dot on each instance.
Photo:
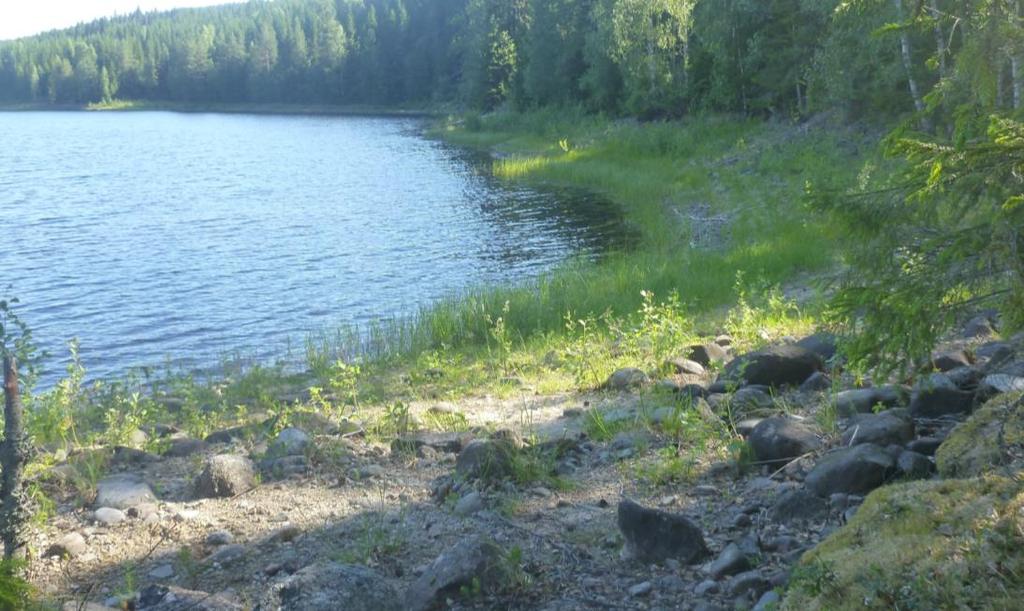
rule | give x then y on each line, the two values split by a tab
225	475
486	459
641	589
882	429
108	516
745	427
925	445
653	536
856	470
707	354
123	491
769	600
822	343
330	586
163	571
775	366
864	400
940	401
979	326
219	537
749	583
477	561
799	505
157	597
469	504
626	378
289	442
227	554
686	366
284	466
731	561
914	466
996	384
818	382
751	399
68	546
777	440
947	361
708	586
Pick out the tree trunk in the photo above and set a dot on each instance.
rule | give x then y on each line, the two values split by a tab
907	53
940	38
13	457
1015	64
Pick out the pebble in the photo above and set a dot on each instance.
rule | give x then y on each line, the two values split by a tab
641	589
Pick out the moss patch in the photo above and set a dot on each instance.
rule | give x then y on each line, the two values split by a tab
993	438
954	544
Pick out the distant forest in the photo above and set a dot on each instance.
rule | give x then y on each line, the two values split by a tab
648	58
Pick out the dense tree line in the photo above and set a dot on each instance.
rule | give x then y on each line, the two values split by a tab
641	57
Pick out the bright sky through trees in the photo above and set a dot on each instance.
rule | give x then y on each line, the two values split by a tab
26	17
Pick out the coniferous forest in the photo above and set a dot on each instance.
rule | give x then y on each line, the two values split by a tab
648	58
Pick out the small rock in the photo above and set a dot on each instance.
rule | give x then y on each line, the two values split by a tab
939	401
775	366
653	536
123	491
730	562
68	546
863	400
751	582
777	440
823	344
749	399
818	382
947	361
372	471
641	589
289	442
476	561
227	554
469	504
624	379
856	470
108	516
706	587
914	466
332	586
156	597
925	445
219	537
707	354
882	429
225	475
486	459
996	384
979	326
686	366
164	571
769	600
799	505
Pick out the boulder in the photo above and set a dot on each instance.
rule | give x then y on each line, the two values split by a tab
856	470
329	586
777	440
992	439
957	528
818	382
474	561
775	366
626	378
707	354
486	459
225	475
940	401
123	491
653	536
883	429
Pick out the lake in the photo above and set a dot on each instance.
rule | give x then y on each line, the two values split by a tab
165	238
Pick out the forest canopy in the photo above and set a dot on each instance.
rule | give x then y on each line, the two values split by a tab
649	58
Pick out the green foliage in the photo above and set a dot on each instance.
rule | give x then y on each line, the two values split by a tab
15	591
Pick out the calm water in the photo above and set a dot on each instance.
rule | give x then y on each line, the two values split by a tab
163	237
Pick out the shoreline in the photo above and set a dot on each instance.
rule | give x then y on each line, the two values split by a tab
232	108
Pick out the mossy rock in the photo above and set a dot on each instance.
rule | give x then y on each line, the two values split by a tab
991	439
954	544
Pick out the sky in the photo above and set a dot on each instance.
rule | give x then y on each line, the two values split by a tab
26	17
